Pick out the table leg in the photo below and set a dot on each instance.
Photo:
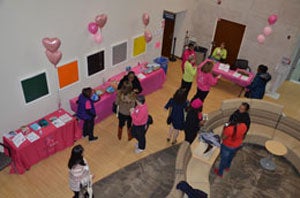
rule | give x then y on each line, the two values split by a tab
268	163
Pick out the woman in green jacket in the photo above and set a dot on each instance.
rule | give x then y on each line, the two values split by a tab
190	71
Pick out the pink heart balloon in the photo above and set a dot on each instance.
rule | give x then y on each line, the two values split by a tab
261	39
267	30
54	57
101	20
272	19
148	36
146	19
93	28
51	44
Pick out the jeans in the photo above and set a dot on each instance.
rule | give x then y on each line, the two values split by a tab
227	154
88	128
139	132
200	94
186	85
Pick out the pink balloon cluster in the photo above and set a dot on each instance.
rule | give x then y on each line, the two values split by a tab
52	52
267	31
147	33
93	27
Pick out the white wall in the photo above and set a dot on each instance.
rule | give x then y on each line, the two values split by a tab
25	23
253	14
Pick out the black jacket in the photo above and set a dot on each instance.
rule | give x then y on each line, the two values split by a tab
135	84
241	118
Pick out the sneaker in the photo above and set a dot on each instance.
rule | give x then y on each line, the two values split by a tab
136	145
93	138
137	150
216	171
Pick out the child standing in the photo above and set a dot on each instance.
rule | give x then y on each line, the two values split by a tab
86	112
139	116
177	106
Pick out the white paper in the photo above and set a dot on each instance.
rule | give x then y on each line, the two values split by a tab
236	74
141	76
58	123
245	78
65	118
224	67
10	134
31	137
18	139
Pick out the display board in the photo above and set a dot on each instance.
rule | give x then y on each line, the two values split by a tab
139	45
119	53
95	62
68	74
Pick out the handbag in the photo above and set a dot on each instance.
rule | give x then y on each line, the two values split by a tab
169	119
150	120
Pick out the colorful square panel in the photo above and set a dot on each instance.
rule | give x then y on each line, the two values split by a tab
68	74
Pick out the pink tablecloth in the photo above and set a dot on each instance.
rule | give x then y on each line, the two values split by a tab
51	141
229	75
150	83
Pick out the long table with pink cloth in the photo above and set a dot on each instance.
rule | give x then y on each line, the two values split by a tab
149	82
240	77
41	143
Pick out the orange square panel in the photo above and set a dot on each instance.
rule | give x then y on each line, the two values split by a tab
67	74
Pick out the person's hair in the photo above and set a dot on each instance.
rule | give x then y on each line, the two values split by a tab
190	45
223	43
246	105
76	156
180	96
126	90
131	73
207	67
262	68
141	99
87	92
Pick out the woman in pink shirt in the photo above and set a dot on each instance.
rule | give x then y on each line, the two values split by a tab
139	116
205	80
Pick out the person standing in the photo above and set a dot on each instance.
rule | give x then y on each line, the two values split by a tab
257	88
176	106
79	172
86	112
189	73
139	116
205	79
220	53
133	79
242	115
233	135
186	54
125	100
193	120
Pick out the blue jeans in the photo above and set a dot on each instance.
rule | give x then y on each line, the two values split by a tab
227	154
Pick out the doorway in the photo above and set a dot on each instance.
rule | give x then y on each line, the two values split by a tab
168	33
231	34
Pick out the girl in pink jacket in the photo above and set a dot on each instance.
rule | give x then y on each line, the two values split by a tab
139	116
205	80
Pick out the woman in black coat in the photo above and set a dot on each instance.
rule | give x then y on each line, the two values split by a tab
241	115
133	79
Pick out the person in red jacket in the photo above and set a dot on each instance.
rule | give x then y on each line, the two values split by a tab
139	116
233	136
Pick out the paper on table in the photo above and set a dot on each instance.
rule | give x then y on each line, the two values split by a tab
65	118
58	123
10	134
141	76
32	137
236	74
224	67
18	139
245	78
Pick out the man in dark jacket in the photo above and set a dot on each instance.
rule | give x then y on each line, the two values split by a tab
258	86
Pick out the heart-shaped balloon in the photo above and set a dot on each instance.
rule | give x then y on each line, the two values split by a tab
51	44
146	19
101	20
148	36
54	57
